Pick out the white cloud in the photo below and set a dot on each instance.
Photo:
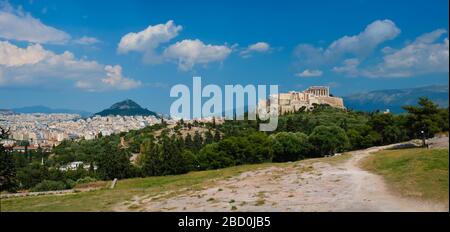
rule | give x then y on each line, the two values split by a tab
310	73
115	78
349	67
424	55
365	42
34	65
11	56
15	24
356	46
86	40
188	53
148	40
259	47
354	55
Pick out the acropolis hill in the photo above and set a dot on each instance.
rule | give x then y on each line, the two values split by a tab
293	101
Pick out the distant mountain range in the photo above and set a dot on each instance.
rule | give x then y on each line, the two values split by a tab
394	99
48	110
6	112
126	108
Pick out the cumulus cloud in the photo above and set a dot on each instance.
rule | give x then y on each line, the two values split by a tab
12	56
425	55
115	78
259	47
365	42
15	24
355	55
357	46
310	73
35	65
188	53
86	40
148	40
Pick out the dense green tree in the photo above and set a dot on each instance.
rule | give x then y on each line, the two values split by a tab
288	146
188	143
392	134
373	138
255	147
211	157
197	141
8	179
443	121
328	140
424	117
167	157
31	175
355	138
379	121
151	158
209	138
113	162
290	127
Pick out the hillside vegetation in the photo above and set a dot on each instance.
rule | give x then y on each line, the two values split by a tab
169	150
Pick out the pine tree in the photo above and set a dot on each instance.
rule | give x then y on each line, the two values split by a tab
423	119
188	143
198	141
113	162
209	138
150	153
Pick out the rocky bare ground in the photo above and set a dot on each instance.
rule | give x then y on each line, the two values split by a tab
311	185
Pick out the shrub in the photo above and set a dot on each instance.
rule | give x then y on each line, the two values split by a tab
85	180
70	183
49	185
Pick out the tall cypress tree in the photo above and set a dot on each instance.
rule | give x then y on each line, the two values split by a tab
8	180
198	141
188	143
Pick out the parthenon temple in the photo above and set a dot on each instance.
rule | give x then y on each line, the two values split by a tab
293	101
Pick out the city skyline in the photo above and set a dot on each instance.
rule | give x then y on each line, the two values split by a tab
81	55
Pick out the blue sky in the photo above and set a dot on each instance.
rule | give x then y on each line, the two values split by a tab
89	54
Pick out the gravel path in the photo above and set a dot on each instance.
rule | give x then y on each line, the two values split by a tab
301	186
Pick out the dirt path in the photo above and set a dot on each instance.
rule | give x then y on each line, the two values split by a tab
300	186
